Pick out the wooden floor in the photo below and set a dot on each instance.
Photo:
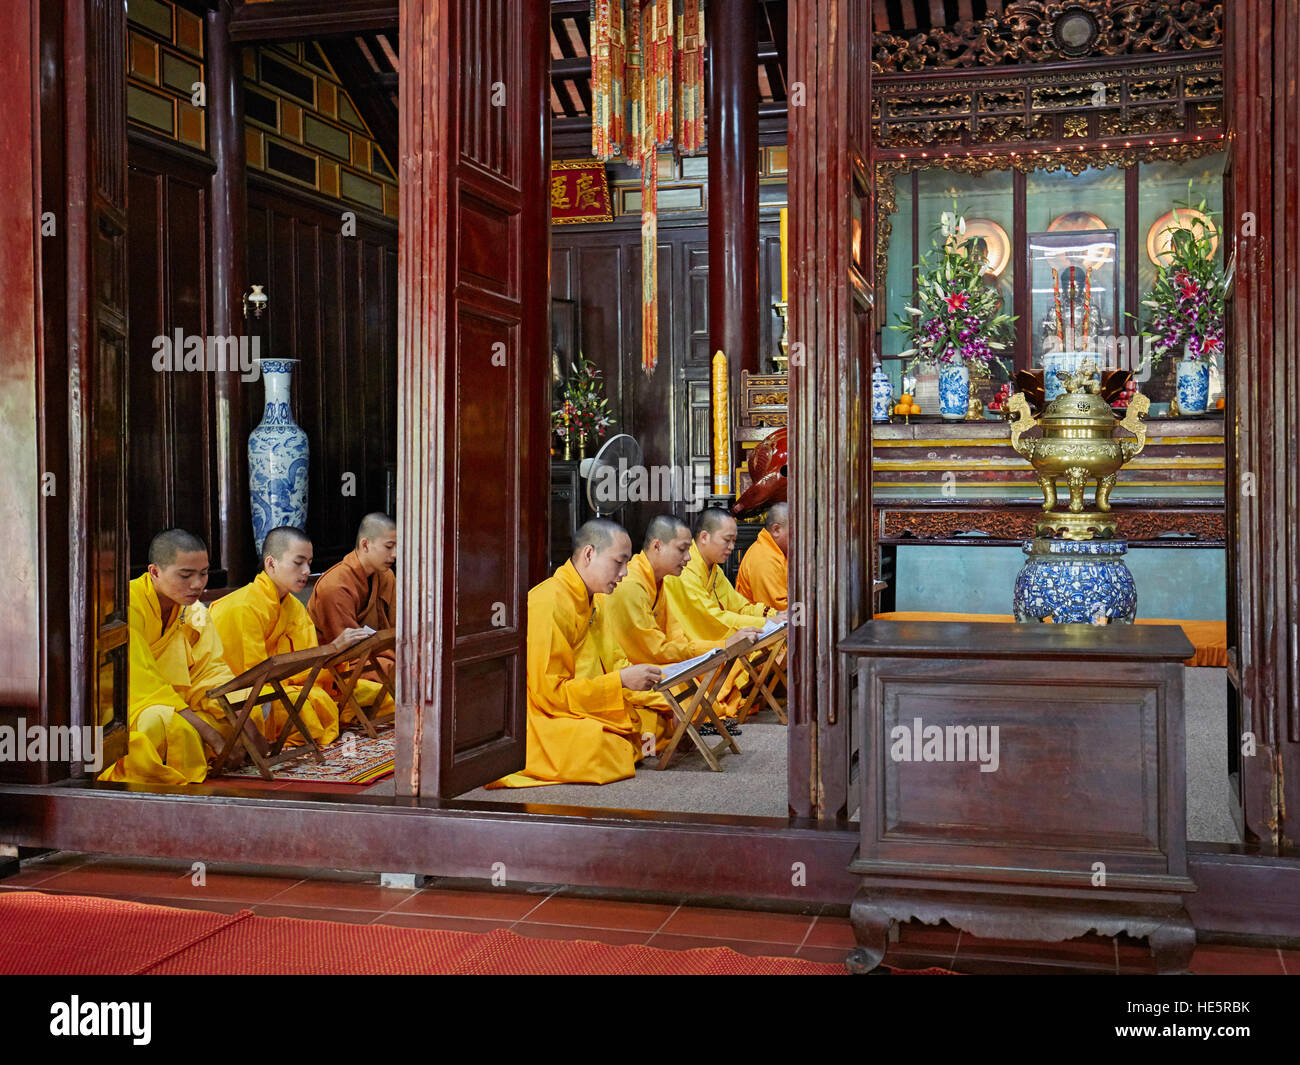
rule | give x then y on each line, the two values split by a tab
557	912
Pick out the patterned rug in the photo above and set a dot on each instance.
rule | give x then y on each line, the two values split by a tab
354	758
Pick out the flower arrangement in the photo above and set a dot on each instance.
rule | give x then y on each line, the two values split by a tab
583	409
959	318
1187	299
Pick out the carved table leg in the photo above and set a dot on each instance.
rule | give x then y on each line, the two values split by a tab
871	929
1172	944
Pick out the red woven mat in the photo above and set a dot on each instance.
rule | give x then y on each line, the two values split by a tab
49	934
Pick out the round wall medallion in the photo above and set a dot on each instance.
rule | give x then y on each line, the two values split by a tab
1075	32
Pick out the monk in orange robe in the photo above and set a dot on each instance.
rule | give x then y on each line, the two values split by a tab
703	605
590	719
175	660
763	571
634	617
360	591
265	618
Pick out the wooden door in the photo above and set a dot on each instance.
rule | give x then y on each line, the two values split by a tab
472	381
830	264
97	358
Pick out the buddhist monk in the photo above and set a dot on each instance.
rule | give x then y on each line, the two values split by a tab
702	604
265	618
175	660
360	591
590	719
634	617
763	571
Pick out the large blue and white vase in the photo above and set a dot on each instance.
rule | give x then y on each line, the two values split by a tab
954	391
277	457
1075	582
1193	386
882	395
1058	361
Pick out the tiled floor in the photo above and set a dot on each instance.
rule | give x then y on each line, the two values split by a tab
816	933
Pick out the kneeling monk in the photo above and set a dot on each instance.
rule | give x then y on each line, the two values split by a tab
360	591
175	660
265	618
634	616
764	571
589	720
702	604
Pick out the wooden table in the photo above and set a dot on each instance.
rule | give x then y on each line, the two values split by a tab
1069	818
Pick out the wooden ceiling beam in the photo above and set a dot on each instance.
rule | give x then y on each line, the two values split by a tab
300	19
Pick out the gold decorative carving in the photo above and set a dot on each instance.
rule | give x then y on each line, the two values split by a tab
1076	126
1024	33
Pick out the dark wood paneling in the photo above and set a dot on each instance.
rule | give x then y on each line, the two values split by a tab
333	306
599	267
170	454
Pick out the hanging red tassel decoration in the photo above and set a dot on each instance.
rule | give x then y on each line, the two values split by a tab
647	87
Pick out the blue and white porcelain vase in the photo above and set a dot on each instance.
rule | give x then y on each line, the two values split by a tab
1067	361
277	458
1193	386
954	391
1075	582
882	395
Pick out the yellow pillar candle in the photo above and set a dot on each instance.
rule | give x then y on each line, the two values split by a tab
785	240
721	428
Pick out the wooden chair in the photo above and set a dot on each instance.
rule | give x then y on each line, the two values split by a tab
351	663
706	680
766	678
263	682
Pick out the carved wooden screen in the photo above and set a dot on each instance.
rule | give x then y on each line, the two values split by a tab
473	373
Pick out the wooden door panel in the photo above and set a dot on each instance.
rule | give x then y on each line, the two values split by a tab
474	367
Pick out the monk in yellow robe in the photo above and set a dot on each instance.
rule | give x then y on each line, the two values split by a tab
763	576
590	720
633	618
702	604
358	592
265	618
175	660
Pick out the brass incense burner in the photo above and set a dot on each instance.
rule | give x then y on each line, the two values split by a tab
1078	445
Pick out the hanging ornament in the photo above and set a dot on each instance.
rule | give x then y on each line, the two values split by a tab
647	87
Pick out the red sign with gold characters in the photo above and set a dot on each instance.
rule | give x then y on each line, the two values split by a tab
579	192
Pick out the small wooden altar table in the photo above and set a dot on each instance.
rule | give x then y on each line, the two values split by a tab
1022	782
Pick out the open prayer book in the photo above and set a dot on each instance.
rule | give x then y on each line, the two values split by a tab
770	626
689	667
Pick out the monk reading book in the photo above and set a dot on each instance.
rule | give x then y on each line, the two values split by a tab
360	592
634	617
763	571
174	659
702	604
265	618
590	719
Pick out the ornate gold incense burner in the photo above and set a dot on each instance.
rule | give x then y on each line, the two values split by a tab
1078	445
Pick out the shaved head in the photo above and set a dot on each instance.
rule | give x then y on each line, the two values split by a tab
375	526
664	528
715	535
713	520
169	543
281	539
598	534
777	525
